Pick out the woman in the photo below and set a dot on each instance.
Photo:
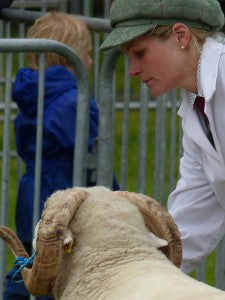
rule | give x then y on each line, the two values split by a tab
175	44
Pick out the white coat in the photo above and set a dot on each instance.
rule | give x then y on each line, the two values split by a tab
198	202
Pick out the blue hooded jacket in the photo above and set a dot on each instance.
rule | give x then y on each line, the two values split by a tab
60	103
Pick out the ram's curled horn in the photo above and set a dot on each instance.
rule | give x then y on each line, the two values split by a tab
12	241
159	221
59	210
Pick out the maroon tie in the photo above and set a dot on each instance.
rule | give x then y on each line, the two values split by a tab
199	105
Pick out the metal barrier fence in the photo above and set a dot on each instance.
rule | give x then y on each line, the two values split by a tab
13	23
89	8
42	5
10	46
147	105
145	160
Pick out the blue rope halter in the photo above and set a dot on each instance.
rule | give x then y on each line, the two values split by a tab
20	263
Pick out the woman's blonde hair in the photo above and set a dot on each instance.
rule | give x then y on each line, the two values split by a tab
197	36
61	27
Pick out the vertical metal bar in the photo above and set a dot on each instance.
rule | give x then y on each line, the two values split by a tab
63	5
21	35
200	272
39	139
220	263
105	159
125	128
20	65
22	6
81	139
39	134
7	29
44	5
96	64
87	9
5	165
157	152
163	101
106	8
143	140
112	123
1	60
172	156
160	150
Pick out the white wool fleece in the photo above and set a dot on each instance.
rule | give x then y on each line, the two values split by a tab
114	256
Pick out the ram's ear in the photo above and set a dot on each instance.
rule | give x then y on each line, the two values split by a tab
157	242
158	221
68	241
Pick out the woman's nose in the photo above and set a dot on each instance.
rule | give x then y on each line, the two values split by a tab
134	70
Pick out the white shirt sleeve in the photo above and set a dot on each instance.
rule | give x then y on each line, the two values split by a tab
199	216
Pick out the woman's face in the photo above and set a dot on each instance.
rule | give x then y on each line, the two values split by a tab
158	63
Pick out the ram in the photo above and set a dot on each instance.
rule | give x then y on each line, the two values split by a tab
122	246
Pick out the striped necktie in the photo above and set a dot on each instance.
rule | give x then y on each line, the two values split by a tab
199	105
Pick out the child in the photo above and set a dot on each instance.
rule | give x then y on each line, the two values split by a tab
60	102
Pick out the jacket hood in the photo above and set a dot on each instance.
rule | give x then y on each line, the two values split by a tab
25	89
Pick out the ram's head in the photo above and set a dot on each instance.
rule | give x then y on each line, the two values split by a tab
58	212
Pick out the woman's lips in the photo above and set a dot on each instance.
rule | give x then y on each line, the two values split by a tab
149	82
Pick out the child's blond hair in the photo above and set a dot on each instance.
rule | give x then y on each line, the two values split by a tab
64	28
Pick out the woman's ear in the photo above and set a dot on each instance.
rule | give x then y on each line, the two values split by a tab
182	35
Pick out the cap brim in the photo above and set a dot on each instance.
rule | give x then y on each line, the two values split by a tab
121	35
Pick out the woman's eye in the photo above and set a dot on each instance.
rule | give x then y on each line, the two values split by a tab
139	54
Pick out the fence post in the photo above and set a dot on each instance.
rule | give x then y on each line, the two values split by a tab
5	165
105	141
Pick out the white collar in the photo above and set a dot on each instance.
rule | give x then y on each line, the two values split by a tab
206	81
209	62
190	97
199	86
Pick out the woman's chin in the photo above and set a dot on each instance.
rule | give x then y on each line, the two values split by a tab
156	93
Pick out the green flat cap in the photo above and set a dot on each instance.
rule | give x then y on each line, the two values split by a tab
132	18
